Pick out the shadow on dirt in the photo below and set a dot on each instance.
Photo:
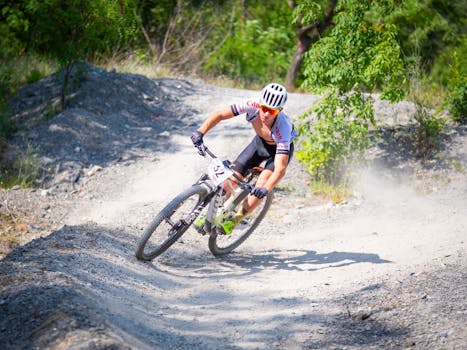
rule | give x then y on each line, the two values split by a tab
302	260
288	260
82	285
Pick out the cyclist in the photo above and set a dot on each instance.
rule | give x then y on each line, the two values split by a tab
273	143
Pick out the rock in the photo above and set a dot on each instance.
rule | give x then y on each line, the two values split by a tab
94	169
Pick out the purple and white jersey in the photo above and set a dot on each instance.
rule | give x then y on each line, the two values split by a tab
282	131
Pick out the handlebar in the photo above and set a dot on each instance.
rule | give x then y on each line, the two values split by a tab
203	150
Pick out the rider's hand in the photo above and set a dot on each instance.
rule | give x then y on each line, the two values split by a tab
259	192
197	137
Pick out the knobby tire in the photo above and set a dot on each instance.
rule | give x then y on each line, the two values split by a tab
164	216
239	238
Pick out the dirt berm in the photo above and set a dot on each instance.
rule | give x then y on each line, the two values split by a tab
384	270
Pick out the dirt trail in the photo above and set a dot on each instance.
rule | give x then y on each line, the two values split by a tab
314	275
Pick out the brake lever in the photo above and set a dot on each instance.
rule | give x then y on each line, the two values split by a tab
201	149
246	186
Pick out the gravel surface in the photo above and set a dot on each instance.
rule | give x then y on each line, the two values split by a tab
385	269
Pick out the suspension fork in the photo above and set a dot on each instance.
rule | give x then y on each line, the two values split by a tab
188	220
214	198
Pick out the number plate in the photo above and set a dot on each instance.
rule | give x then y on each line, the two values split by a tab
218	172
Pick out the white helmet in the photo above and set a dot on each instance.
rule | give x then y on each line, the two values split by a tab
274	96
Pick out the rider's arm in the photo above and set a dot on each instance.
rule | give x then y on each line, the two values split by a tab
280	166
215	118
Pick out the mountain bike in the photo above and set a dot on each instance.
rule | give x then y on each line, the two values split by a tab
207	196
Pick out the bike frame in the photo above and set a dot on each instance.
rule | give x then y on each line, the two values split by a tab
215	192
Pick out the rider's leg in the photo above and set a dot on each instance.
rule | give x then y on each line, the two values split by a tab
251	156
247	159
251	202
247	206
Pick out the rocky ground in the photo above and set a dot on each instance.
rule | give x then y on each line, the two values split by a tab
385	269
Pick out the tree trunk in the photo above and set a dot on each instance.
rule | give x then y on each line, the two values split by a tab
294	67
307	35
66	80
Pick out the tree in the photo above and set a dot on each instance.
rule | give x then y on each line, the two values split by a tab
359	54
71	30
308	32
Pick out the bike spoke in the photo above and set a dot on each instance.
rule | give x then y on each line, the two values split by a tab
221	244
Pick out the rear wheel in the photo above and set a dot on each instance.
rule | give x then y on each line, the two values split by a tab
170	224
221	244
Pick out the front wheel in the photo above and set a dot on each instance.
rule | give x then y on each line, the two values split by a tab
221	244
170	224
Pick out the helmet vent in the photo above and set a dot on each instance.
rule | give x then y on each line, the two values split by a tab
274	96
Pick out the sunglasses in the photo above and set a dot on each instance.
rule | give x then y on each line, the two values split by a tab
271	111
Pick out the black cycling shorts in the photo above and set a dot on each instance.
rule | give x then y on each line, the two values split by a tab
255	153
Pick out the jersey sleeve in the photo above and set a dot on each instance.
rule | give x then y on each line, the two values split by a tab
283	134
248	107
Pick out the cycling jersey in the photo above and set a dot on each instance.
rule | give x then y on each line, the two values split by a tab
282	131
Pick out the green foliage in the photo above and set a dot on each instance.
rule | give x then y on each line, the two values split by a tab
433	36
359	53
428	131
340	133
12	21
25	69
235	39
425	28
73	30
25	168
457	165
67	31
23	171
429	125
308	11
456	80
458	102
253	53
362	53
5	125
184	33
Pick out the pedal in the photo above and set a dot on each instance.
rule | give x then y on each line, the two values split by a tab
199	223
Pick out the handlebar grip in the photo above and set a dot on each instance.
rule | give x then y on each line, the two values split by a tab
203	150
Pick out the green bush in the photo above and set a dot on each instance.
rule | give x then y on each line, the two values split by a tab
330	144
23	171
458	102
4	125
358	54
450	70
456	72
432	35
428	131
254	53
34	75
